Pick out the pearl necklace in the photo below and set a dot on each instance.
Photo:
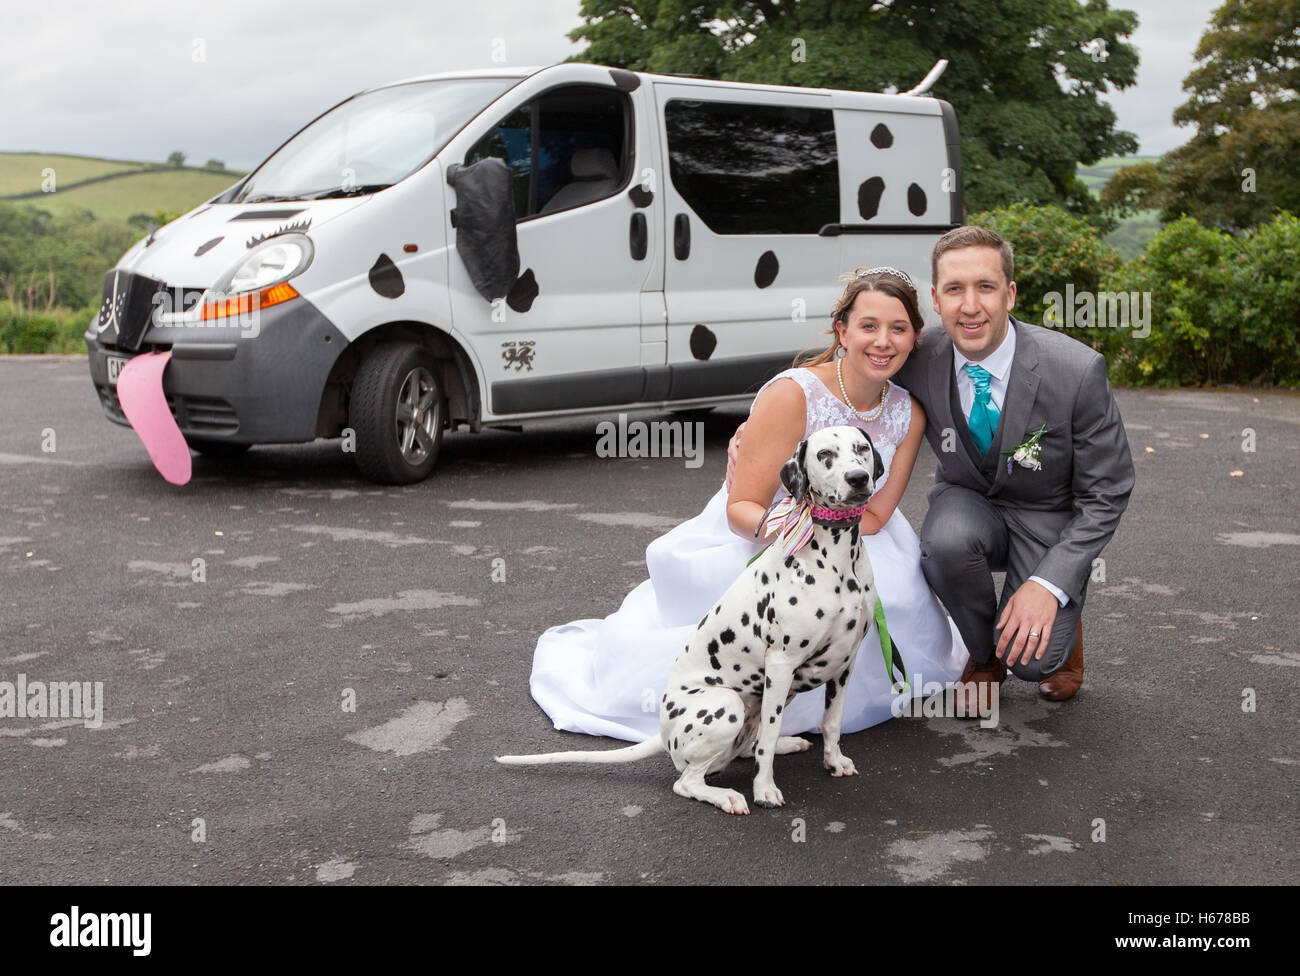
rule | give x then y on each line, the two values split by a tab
875	413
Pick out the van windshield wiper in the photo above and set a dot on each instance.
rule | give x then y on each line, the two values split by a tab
270	198
348	191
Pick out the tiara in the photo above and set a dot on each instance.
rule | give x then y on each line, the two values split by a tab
889	271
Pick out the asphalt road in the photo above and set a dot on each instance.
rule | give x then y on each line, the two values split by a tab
226	756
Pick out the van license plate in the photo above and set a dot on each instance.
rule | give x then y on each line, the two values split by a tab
115	364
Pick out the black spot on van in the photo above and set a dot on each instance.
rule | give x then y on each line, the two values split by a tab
385	279
869	194
523	292
207	246
766	269
625	80
916	200
881	137
640	196
703	342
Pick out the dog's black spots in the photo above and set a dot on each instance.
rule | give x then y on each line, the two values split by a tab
881	137
830	692
756	676
837	589
701	713
670	704
745	649
733	718
916	200
713	647
771	614
719	713
674	743
523	292
820	564
745	682
625	80
385	279
640	196
689	726
852	624
869	194
771	719
702	342
703	620
820	613
727	636
778	709
708	719
717	665
803	643
793	600
785	639
735	667
763	579
844	678
693	691
821	663
744	620
851	584
769	682
766	269
712	681
760	752
758	631
809	580
207	246
717	610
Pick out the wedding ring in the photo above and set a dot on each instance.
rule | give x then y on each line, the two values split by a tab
1033	633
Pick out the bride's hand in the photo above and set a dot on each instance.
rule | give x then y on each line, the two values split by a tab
733	451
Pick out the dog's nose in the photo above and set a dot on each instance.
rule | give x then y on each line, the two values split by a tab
857	480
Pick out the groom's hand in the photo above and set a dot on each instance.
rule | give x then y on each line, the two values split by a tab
1031	610
733	451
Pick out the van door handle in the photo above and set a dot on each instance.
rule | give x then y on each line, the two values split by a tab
638	238
682	237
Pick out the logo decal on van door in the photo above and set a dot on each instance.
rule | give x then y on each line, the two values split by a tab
518	354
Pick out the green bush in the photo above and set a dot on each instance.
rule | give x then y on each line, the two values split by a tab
57	331
1266	282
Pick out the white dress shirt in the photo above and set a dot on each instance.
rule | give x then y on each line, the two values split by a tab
998	365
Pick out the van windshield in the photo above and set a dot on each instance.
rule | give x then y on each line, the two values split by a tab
371	141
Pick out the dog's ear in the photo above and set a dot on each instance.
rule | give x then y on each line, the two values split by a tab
794	473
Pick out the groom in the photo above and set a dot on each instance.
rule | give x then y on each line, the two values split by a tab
988	383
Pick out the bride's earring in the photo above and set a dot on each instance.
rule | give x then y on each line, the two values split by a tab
841	352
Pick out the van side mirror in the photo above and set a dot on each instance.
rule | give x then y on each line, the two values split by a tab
485	225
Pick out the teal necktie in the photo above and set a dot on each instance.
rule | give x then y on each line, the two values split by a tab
983	419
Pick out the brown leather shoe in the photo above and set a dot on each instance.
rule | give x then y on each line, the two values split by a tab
1065	682
972	691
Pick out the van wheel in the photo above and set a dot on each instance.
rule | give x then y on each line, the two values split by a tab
218	450
397	413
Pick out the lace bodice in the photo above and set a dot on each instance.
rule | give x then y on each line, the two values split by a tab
824	409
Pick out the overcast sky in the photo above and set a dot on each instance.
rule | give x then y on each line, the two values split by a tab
124	80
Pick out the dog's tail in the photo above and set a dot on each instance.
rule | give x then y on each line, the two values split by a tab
643	750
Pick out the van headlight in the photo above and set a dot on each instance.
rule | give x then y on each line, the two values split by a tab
273	261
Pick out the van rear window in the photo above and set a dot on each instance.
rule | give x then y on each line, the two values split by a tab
754	169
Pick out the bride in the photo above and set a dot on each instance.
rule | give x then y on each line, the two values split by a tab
606	677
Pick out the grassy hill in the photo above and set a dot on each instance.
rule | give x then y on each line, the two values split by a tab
112	189
1133	233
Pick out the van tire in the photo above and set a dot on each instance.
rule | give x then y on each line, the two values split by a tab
391	450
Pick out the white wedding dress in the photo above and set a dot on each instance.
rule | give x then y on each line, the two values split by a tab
606	677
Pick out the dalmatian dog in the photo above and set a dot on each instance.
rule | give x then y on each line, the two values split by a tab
786	625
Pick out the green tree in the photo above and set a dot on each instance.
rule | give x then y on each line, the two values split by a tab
1238	167
1026	78
176	159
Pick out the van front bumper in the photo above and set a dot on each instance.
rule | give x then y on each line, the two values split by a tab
259	385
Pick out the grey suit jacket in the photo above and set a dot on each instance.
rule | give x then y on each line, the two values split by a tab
1087	468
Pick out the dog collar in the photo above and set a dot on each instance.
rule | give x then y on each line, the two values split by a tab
833	516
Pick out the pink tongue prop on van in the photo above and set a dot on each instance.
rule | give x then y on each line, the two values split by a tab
139	390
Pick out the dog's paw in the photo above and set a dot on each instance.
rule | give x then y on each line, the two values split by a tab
732	802
840	765
767	795
787	744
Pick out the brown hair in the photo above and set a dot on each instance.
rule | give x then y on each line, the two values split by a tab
972	236
858	282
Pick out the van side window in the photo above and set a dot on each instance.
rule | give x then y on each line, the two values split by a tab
754	169
568	148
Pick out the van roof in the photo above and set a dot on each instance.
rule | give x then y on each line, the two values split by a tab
524	72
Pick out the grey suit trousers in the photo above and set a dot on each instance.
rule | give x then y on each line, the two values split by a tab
965	538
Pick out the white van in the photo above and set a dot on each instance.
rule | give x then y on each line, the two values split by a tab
492	247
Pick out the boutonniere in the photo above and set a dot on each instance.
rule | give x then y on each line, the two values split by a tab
1027	454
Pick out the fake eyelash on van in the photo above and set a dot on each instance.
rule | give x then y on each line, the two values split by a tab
298	227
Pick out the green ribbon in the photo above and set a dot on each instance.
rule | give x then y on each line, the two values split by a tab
887	648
